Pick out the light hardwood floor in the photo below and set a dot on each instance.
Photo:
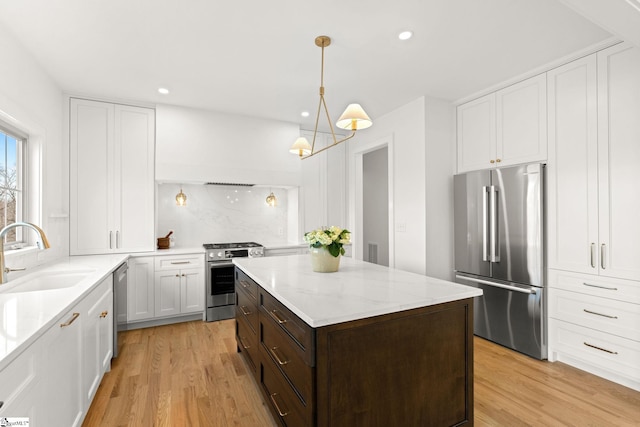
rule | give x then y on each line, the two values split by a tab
189	374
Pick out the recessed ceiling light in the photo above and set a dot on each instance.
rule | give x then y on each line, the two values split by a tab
305	114
405	35
163	90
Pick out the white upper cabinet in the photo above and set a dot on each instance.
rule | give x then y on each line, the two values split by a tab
111	178
504	128
594	164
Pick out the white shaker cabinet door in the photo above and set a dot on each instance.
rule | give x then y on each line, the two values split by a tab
521	122
476	132
140	289
572	170
619	161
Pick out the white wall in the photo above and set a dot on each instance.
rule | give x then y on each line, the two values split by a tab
218	214
199	146
32	102
440	152
405	126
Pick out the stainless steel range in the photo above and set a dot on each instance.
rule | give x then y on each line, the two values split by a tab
221	296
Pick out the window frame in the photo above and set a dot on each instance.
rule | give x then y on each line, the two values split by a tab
22	187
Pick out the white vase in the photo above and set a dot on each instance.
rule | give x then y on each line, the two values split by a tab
322	261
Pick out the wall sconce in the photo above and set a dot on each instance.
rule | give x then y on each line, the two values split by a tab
181	198
271	200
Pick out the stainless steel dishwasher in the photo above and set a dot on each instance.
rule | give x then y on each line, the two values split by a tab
120	304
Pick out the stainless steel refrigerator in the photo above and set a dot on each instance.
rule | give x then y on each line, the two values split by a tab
499	248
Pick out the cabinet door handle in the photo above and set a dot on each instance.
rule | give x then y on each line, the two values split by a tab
70	321
599	287
110	239
275	356
599	314
593	255
104	314
274	314
498	160
117	239
245	312
600	348
603	250
492	161
280	412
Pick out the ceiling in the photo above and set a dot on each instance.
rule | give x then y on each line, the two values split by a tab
258	58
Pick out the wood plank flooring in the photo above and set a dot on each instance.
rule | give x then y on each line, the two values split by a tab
189	374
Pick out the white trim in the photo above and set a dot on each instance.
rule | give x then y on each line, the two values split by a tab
356	154
542	69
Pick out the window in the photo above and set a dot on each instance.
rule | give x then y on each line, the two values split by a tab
12	175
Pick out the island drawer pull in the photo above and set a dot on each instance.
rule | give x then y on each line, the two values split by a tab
600	287
180	262
1	404
242	309
273	399
246	347
275	355
599	314
274	314
600	348
70	321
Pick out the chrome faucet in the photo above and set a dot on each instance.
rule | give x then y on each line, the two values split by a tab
41	243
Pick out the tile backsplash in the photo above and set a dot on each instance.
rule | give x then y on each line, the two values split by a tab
221	213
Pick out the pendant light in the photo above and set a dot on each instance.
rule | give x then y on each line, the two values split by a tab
181	198
354	117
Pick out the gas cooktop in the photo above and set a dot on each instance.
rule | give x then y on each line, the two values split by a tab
231	245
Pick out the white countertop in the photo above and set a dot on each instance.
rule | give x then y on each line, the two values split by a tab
357	291
24	316
170	251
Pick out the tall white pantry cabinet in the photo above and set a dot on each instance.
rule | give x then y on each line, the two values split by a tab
593	205
111	177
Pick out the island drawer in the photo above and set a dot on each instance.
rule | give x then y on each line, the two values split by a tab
301	334
246	284
284	404
247	309
277	349
247	344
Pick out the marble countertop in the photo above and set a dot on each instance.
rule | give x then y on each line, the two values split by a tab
25	316
357	291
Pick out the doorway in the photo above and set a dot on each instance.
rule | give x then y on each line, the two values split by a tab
375	206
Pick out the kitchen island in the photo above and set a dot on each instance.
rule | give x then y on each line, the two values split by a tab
367	345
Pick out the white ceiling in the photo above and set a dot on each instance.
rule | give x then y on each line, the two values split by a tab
258	58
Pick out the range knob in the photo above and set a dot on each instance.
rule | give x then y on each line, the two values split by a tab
220	254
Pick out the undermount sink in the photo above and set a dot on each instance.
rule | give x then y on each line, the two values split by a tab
45	281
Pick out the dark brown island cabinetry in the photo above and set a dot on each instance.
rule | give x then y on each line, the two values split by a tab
409	368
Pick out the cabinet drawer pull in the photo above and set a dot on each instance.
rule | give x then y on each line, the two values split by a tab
274	314
242	309
600	287
280	412
600	348
1	404
246	347
70	321
599	314
104	314
180	262
278	359
593	255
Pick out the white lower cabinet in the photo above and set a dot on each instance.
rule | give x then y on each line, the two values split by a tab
97	344
593	325
179	284
140	289
289	250
53	381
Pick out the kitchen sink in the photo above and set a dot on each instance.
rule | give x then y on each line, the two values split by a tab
45	281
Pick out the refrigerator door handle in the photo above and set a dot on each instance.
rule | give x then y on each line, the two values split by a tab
494	255
497	285
485	225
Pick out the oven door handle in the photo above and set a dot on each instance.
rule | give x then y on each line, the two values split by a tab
220	264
